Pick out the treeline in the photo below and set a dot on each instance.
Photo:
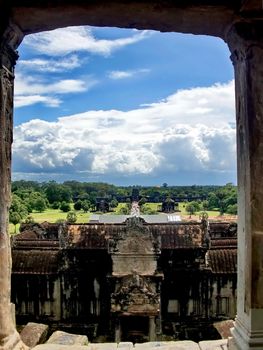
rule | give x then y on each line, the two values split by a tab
29	196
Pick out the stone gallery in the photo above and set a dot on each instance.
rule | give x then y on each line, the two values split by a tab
133	281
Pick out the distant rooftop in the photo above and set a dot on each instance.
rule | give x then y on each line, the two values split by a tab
118	219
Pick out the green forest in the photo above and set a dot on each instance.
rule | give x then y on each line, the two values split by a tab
73	201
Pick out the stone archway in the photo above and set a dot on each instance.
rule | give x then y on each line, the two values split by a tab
240	24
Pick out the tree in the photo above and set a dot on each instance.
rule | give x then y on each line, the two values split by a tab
29	219
40	204
232	209
142	201
17	211
192	207
56	205
196	205
17	206
37	201
114	203
212	201
92	201
15	219
78	205
57	192
86	206
124	210
65	207
71	217
147	210
205	205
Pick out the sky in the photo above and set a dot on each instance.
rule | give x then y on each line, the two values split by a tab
124	106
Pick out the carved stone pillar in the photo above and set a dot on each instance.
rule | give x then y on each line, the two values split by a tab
246	44
117	330
152	328
9	338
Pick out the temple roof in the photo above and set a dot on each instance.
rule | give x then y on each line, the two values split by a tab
36	262
97	235
222	261
120	219
36	252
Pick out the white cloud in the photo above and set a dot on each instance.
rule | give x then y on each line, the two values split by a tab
25	85
22	101
54	66
31	90
119	74
191	130
66	40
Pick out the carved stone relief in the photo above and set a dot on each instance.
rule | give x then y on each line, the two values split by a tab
134	250
135	294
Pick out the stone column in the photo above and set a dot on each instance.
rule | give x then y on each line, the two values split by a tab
117	330
245	41
9	338
152	328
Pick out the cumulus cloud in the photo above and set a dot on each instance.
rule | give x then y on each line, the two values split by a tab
78	39
190	131
119	74
31	90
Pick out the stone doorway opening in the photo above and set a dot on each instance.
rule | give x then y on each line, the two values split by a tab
134	329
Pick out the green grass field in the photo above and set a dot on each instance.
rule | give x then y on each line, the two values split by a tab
211	213
52	215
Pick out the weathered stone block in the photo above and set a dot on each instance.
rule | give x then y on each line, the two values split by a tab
232	344
60	347
184	345
65	338
224	327
151	344
103	346
220	344
169	345
125	345
34	334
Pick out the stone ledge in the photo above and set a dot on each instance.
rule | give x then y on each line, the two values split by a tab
67	341
171	345
60	347
221	344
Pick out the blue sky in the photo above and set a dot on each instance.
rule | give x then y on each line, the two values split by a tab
125	107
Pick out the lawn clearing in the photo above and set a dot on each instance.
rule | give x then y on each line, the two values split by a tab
52	215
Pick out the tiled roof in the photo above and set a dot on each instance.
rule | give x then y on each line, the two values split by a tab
223	242
223	229
36	262
174	236
222	261
95	236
